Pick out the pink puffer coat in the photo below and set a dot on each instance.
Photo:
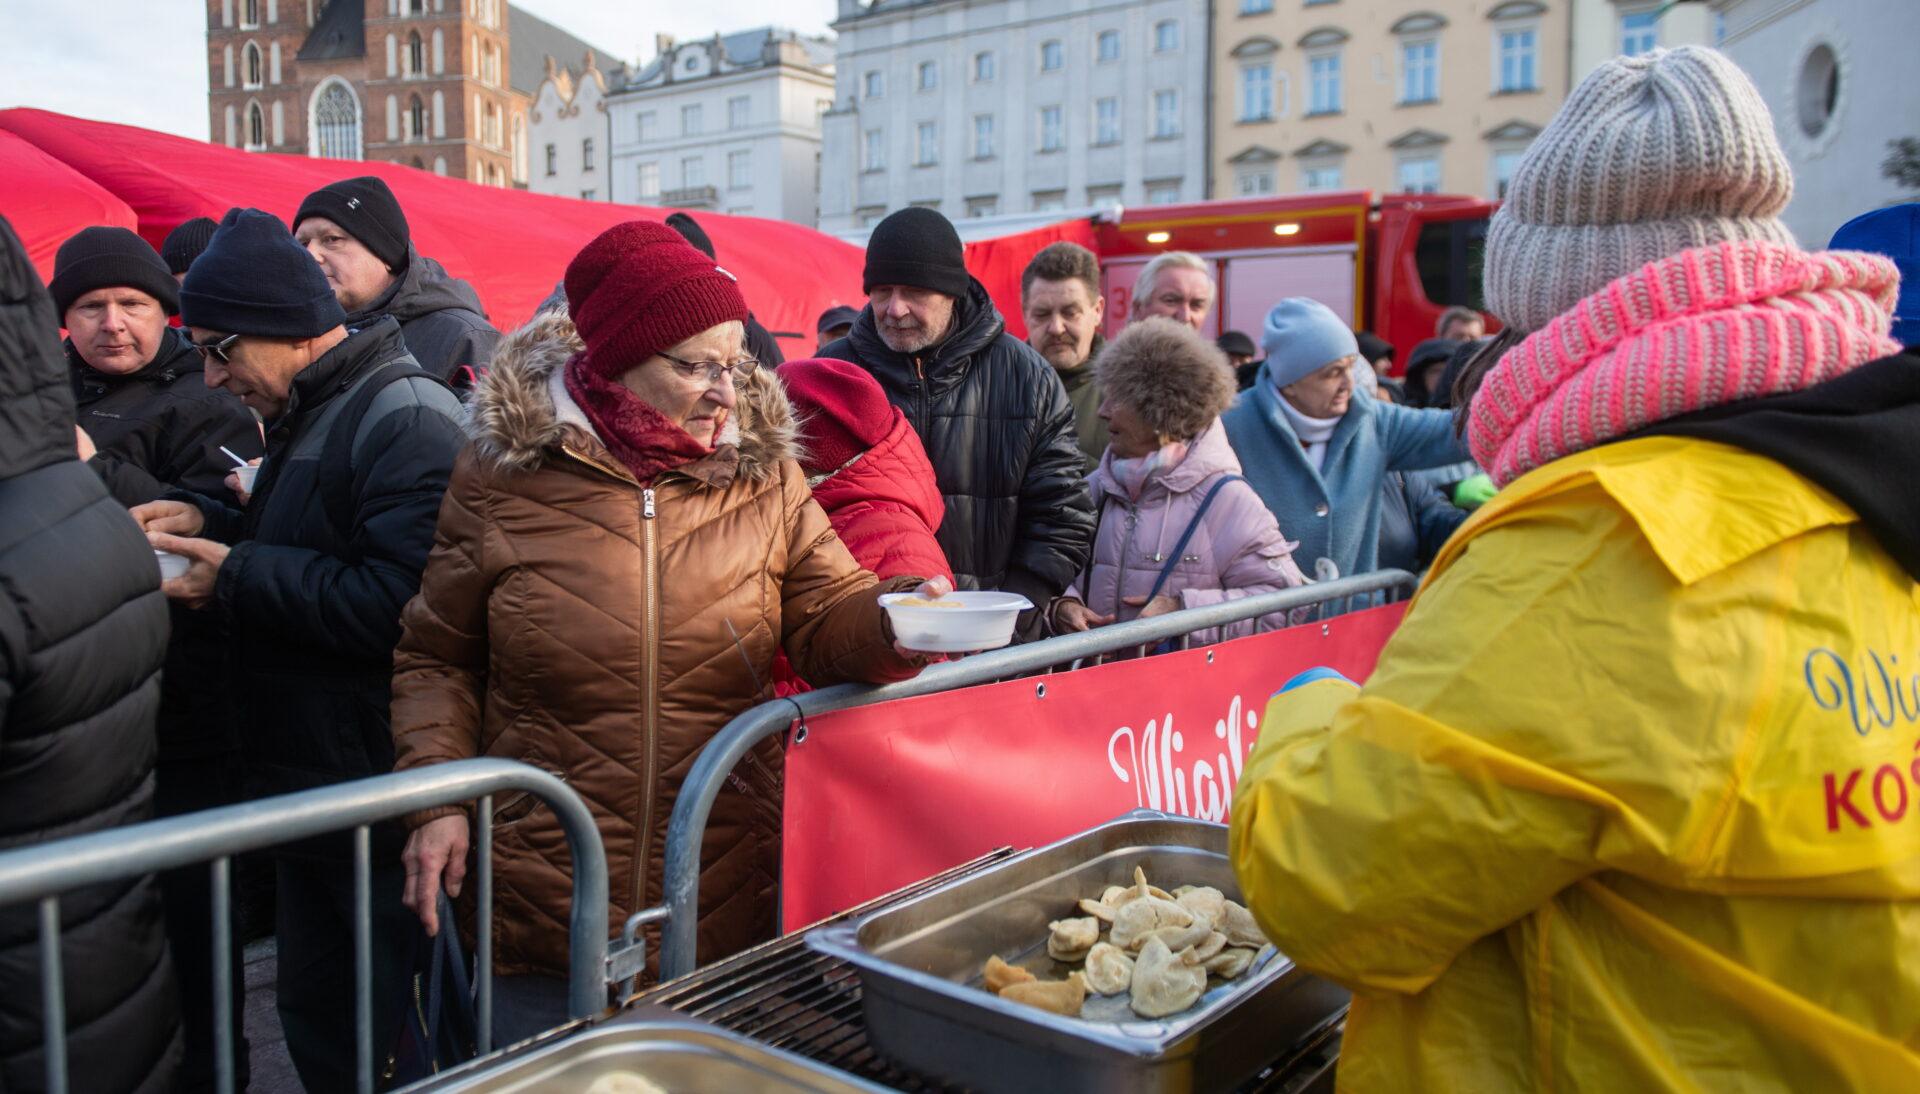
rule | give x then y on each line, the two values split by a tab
1236	552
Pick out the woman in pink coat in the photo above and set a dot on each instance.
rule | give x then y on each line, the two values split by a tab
1168	468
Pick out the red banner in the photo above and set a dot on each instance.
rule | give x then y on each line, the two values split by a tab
882	796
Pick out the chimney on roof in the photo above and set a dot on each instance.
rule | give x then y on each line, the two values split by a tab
663	44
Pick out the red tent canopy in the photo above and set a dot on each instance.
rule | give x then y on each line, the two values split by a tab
512	245
47	201
999	262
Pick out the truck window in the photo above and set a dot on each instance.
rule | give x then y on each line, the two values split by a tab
1450	254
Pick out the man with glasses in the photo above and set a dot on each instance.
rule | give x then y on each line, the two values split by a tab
313	575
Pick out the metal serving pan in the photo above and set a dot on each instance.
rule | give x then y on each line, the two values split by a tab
920	963
676	1056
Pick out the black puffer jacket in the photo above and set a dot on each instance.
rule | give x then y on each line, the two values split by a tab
161	427
998	427
82	631
315	604
441	318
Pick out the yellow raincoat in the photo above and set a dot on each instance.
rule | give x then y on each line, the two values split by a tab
1632	802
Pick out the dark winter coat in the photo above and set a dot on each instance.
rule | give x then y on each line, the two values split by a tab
762	345
83	628
161	428
315	606
441	318
1415	520
997	425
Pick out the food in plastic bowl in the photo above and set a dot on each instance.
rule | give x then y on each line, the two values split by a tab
959	622
171	565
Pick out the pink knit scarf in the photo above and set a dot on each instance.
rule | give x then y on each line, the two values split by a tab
1697	329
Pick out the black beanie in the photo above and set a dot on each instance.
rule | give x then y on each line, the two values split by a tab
100	258
918	247
366	210
691	231
185	243
254	279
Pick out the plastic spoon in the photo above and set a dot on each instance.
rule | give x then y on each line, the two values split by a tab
237	461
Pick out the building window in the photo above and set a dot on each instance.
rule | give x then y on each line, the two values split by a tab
870	215
1419	71
649	124
740	170
1107	46
649	180
876	85
1166	114
926	144
874	151
1322	177
1166	36
256	127
553	160
1163	193
1102	196
927	76
1256	92
983	136
252	60
1052	135
1505	163
586	154
417	7
1049	201
1519	60
1639	32
1051	56
693	172
983	68
690	120
336	119
1255	7
589	195
250	13
1253	181
1323	83
983	207
416	55
1418	175
1106	121
737	111
416	119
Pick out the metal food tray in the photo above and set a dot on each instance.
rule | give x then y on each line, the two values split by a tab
920	969
676	1056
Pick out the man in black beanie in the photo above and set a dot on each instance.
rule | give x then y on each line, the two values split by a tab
312	576
355	229
185	243
761	344
992	413
149	424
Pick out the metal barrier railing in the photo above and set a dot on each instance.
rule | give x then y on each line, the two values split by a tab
687	826
44	872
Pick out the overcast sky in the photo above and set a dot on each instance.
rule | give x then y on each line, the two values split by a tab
142	62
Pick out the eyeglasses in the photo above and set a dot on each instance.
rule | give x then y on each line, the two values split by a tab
217	348
695	371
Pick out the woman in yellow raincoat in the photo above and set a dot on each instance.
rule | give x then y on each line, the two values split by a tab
1632	801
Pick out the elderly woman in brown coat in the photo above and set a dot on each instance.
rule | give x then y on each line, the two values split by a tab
625	546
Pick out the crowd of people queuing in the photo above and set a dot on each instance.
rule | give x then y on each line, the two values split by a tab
1571	822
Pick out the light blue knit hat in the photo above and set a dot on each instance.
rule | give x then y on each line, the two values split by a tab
1303	336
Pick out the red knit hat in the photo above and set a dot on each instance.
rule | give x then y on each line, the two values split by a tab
843	411
640	288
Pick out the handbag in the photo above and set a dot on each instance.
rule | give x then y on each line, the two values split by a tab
438	1029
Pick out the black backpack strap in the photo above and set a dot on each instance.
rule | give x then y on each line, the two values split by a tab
1186	537
349	431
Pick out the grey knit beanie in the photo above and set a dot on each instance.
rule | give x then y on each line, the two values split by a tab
1650	156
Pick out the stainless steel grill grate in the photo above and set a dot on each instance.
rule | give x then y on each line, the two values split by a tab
785	995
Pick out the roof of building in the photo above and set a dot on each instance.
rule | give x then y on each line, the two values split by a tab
533	40
741	49
339	33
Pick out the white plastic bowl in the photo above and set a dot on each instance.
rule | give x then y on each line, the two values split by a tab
171	565
247	475
978	620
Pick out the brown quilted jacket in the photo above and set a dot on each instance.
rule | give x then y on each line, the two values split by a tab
571	620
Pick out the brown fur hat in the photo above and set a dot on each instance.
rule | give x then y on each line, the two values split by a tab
1175	380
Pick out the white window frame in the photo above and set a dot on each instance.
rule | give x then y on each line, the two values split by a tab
1313	172
648	173
739	111
1051	127
1651	32
1163	193
1257	103
983	136
1530	26
1053	55
1432	67
986	67
693	121
873	150
1048	201
1254	180
1423	159
988	206
740	169
693	171
1100	40
1315	106
1163	41
1256	7
874	84
927	76
1107	130
926	144
1166	113
647	126
1501	151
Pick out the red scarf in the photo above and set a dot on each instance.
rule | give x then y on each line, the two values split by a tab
639	436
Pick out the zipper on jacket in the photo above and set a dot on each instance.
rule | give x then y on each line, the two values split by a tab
1120	571
922	401
650	695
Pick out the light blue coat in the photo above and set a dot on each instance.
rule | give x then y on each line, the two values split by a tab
1334	512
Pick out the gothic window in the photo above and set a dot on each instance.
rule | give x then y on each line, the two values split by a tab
416	55
417	119
336	119
253	65
256	127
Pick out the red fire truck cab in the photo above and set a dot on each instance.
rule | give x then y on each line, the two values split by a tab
1386	263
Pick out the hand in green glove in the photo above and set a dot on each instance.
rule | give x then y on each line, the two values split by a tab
1472	493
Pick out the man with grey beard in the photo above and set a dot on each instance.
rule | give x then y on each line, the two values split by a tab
992	413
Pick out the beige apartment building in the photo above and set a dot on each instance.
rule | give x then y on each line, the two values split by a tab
1422	96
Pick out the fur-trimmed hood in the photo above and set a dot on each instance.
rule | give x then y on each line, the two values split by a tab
520	411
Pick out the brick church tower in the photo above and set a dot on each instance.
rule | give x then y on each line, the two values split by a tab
418	82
